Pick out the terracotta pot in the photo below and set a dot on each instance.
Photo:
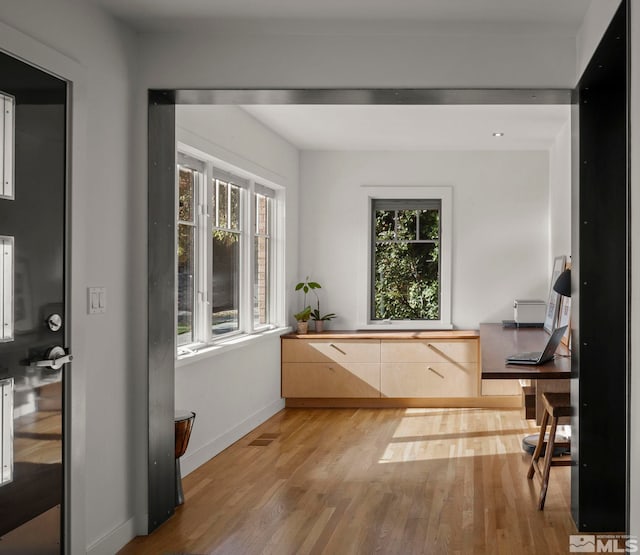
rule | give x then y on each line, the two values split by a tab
319	326
303	327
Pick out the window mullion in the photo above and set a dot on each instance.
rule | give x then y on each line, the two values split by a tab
208	188
246	196
277	303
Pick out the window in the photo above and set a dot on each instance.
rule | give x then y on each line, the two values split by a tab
225	257
406	283
262	206
406	266
225	260
188	181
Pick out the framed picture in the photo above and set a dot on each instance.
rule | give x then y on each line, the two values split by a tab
564	318
553	304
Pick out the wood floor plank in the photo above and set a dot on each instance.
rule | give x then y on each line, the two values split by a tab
367	481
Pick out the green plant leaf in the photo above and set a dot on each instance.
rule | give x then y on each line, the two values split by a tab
299	286
303	315
314	285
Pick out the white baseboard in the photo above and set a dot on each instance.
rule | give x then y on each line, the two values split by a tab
191	461
115	540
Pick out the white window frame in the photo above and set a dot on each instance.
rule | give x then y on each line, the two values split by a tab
213	172
367	194
270	194
198	194
204	342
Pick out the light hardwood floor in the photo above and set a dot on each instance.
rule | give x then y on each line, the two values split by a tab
365	481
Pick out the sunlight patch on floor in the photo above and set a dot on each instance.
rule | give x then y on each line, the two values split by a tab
458	433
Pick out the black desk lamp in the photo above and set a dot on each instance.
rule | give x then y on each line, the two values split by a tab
563	284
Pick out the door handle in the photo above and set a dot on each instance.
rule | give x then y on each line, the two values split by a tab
56	359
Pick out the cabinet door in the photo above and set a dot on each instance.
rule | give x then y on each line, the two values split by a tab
320	379
435	350
325	350
437	379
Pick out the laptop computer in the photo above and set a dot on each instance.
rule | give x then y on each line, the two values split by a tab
536	358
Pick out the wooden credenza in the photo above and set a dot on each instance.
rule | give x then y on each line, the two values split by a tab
386	369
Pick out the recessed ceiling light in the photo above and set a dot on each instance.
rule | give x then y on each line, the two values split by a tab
498	134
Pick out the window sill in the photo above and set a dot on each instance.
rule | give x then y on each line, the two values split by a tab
407	325
230	344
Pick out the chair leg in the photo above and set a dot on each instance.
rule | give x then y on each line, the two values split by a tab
539	446
548	457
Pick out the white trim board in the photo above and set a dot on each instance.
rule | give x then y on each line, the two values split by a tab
194	460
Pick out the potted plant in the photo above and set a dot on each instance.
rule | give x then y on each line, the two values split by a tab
302	318
316	315
320	320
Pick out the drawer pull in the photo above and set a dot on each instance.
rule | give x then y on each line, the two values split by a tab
440	352
435	372
337	348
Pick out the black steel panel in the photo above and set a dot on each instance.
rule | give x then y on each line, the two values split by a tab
599	446
374	96
161	306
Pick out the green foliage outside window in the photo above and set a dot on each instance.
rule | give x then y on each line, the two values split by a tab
406	264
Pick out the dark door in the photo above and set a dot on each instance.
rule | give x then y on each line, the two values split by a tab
33	324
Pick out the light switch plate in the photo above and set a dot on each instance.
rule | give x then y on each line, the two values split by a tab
97	300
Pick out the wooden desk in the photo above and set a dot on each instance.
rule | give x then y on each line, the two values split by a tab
496	343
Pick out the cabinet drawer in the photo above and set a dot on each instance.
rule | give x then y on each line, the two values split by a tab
319	379
501	387
325	350
411	350
437	379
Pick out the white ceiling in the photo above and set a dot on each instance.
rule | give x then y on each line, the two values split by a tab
414	127
146	14
381	127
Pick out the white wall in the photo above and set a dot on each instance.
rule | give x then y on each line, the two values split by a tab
233	392
103	240
560	194
500	228
236	60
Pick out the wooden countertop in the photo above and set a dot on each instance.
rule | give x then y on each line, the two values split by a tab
372	334
497	342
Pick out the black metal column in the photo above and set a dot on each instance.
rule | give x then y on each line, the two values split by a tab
161	305
600	303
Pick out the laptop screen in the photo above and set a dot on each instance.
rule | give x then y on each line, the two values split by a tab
552	344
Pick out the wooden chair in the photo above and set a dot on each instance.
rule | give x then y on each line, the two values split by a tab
556	405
